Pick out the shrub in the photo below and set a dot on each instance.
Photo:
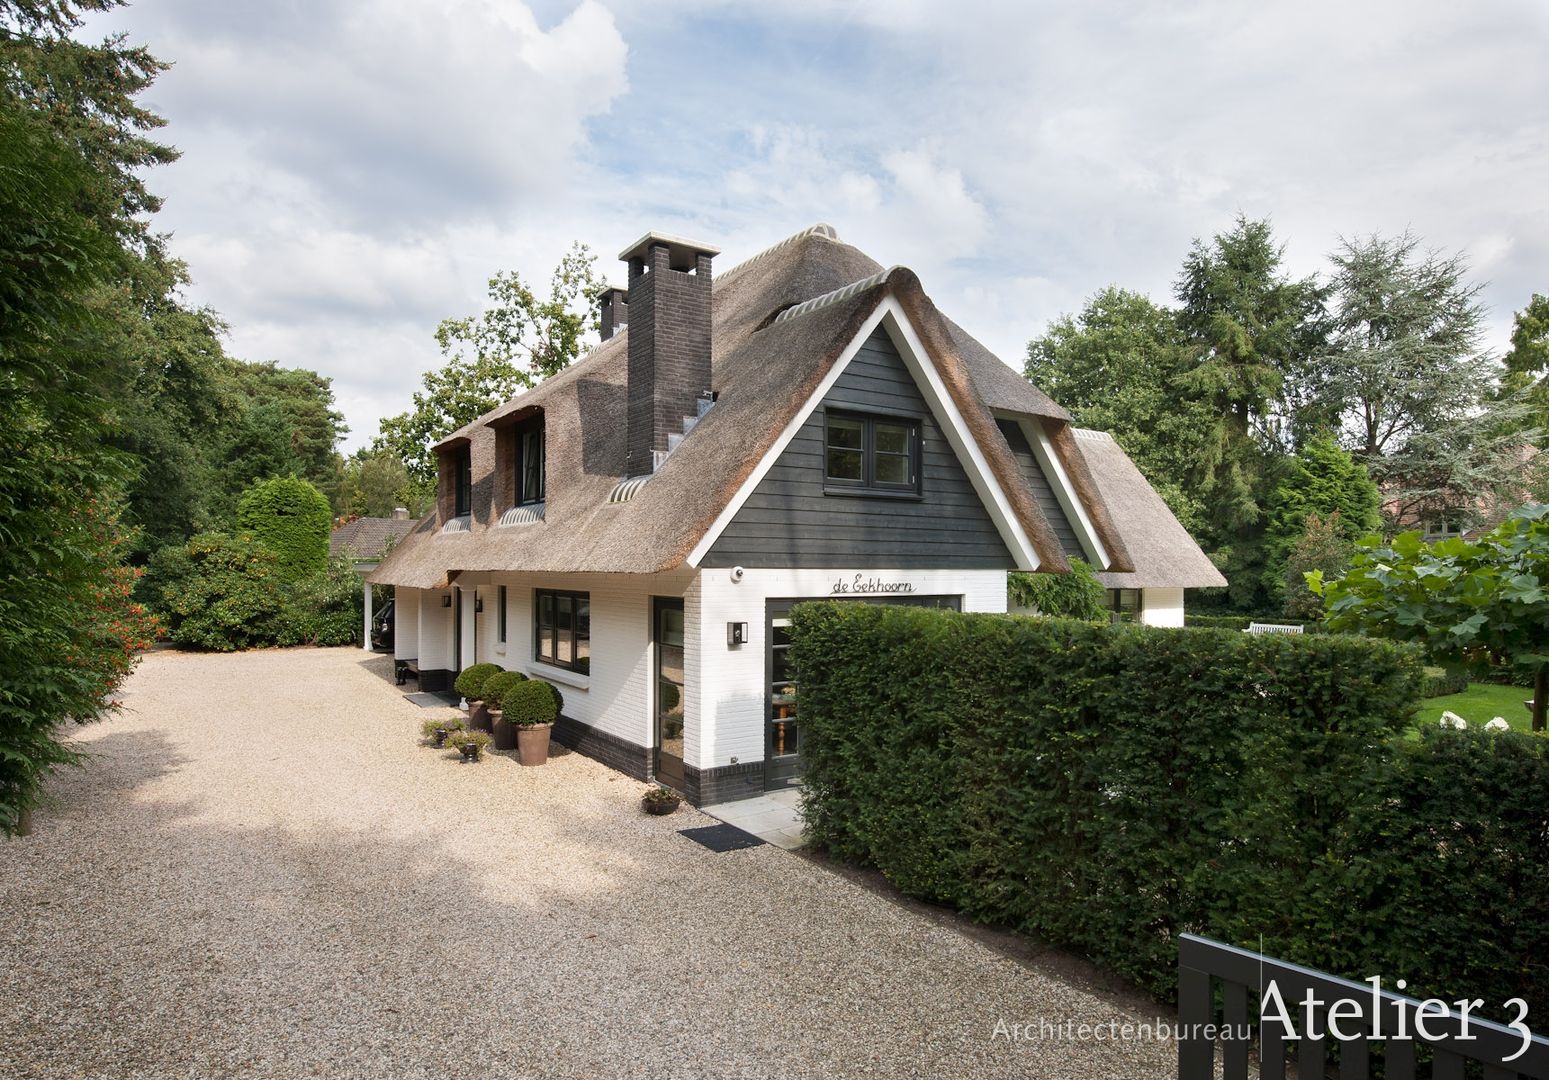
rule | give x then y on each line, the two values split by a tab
528	703
497	685
1076	595
220	592
324	607
292	519
1441	681
1106	788
479	740
470	682
436	730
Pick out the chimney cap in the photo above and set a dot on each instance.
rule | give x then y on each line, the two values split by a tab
681	252
400	513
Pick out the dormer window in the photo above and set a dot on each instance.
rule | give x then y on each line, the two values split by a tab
529	462
462	465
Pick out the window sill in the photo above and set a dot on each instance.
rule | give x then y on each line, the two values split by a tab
549	673
873	493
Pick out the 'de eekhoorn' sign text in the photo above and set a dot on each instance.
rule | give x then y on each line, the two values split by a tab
861	585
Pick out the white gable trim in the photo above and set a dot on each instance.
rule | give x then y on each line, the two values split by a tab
891	317
1065	491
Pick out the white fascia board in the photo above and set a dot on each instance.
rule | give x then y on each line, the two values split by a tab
1043	449
890	316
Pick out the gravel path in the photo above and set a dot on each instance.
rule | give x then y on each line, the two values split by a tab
262	872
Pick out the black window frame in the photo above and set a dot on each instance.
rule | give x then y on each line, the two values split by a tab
550	635
500	622
462	482
868	484
524	430
1116	606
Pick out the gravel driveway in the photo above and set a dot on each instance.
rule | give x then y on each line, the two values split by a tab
262	872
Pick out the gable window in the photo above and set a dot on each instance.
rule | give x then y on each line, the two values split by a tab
562	629
462	500
529	462
871	454
502	620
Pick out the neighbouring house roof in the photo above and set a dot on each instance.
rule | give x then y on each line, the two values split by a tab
1163	553
764	368
368	538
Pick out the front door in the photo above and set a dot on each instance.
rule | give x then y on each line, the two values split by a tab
457	631
667	636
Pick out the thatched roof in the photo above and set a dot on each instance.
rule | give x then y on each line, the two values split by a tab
764	369
1163	553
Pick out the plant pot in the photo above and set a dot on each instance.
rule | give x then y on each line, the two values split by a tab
471	751
659	806
532	743
505	733
478	716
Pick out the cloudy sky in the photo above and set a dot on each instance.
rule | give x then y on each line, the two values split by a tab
354	170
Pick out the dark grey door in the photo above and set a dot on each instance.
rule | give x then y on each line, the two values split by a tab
667	636
782	730
457	632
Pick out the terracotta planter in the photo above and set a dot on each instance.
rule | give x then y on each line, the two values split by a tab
532	743
505	734
478	716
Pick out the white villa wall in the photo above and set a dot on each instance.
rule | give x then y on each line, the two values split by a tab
435	631
614	696
726	694
1161	607
406	624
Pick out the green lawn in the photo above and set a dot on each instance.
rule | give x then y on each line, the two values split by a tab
1480	704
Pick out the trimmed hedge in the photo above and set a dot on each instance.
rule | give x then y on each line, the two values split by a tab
470	681
529	702
292	519
499	684
1106	788
1441	681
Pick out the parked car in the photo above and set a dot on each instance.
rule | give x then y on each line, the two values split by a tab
382	628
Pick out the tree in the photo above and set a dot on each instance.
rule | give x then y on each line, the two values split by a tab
1527	362
1115	367
1323	547
220	592
518	341
374	483
1417	398
1324	481
1252	329
304	401
1483	601
291	518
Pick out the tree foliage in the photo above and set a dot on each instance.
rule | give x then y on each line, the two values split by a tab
1483	601
516	342
1323	547
1076	595
1322	480
291	518
1527	362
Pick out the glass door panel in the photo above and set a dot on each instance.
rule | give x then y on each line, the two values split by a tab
668	637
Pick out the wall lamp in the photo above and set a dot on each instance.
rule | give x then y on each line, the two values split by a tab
478	603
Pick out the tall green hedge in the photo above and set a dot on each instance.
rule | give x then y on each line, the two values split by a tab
1107	788
291	518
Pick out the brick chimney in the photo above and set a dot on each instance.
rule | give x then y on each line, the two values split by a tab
615	311
669	342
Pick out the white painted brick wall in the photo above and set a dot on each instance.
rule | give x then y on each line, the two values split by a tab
728	698
435	631
1161	607
406	624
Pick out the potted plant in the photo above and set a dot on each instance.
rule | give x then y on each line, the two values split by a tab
495	689
470	744
470	684
529	707
660	800
436	731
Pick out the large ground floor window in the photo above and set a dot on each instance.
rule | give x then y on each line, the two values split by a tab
1126	604
562	629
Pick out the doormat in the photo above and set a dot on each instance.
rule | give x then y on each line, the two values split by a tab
429	699
722	837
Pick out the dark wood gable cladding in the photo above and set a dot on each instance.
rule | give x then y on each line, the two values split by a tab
1043	490
790	522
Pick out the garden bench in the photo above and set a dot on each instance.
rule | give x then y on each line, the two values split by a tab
404	670
1273	628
